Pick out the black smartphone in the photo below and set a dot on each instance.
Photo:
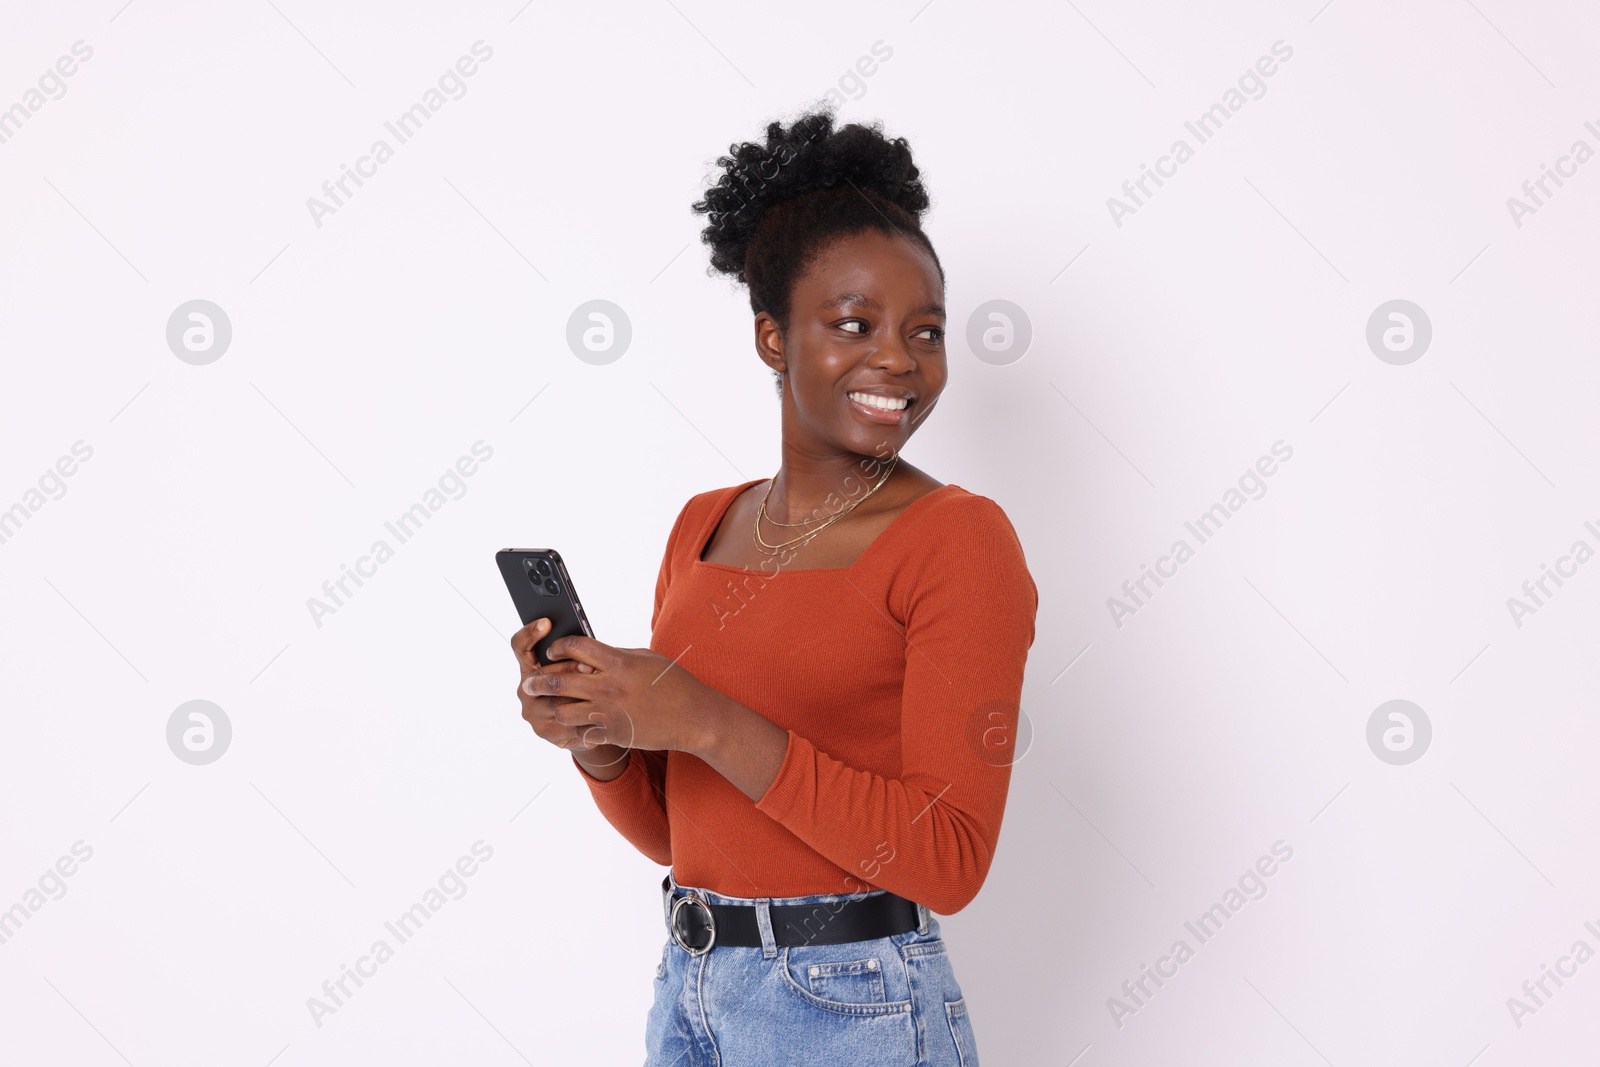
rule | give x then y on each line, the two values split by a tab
541	589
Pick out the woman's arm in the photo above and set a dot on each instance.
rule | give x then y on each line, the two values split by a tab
744	746
633	800
930	833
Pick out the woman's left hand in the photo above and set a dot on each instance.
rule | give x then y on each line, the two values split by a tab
632	697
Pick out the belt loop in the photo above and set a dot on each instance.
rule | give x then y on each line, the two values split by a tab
666	901
769	945
922	919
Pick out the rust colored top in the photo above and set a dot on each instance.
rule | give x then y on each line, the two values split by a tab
899	682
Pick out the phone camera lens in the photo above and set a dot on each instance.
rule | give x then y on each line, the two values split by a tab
552	587
542	566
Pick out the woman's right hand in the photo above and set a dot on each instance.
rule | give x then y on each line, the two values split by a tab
603	761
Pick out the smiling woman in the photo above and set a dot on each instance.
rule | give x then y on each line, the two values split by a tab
824	765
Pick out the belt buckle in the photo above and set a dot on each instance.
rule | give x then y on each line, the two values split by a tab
677	934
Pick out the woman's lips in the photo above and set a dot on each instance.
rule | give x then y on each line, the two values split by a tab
878	415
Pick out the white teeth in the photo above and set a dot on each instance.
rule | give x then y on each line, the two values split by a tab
882	403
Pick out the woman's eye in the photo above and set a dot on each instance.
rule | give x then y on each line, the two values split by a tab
937	331
854	322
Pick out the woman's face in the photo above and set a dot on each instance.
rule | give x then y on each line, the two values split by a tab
866	317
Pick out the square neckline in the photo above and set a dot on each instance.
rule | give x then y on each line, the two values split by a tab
721	512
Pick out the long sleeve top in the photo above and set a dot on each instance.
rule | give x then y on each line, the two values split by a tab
898	680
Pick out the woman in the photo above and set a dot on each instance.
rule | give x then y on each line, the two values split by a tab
817	742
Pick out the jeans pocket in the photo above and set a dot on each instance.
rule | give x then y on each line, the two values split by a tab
961	1030
850	986
848	982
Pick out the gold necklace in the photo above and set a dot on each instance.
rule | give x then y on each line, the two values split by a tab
802	522
835	517
792	525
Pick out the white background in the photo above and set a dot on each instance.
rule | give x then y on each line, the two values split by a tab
1168	353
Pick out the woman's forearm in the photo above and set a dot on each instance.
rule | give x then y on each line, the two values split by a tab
603	762
744	746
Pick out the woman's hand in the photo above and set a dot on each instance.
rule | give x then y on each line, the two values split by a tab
632	697
540	711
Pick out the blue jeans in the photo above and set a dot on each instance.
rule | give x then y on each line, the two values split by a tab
886	1002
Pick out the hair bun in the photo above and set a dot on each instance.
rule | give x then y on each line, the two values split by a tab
807	157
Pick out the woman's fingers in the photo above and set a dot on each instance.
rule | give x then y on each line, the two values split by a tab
522	643
539	710
540	713
542	683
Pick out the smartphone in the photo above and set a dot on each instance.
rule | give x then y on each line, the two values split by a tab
541	589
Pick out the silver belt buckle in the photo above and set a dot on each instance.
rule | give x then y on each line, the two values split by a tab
711	924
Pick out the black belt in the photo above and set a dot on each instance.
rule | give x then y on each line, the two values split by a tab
696	924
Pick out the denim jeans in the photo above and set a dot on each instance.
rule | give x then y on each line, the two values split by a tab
886	1002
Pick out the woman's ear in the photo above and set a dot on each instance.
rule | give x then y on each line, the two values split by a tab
769	343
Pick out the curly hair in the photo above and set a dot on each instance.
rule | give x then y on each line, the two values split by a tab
776	206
